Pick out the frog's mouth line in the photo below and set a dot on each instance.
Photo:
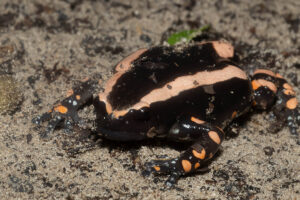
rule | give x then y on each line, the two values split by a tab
120	135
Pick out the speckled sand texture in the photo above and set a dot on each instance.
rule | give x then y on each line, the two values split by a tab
46	46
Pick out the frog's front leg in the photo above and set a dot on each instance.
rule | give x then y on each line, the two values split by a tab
207	139
66	110
270	88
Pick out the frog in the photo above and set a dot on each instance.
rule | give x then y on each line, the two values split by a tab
183	93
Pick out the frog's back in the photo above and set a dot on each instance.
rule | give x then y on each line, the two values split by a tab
161	73
217	98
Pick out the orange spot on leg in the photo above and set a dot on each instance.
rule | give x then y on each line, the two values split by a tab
197	121
214	136
200	155
267	84
61	109
292	103
197	165
186	165
157	168
255	84
78	97
261	82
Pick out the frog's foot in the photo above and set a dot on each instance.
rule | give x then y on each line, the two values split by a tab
56	116
66	111
283	116
165	167
286	109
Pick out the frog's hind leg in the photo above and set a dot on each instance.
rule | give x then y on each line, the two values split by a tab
67	109
269	89
208	139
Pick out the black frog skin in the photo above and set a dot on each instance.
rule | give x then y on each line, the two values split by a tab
182	93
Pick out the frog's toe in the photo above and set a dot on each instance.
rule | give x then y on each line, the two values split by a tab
53	123
172	180
293	121
68	126
42	118
277	124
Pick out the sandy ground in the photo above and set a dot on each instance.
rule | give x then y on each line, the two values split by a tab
46	46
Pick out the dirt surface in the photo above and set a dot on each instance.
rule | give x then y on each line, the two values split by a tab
46	46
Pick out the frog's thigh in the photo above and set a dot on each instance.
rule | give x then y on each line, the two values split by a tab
207	141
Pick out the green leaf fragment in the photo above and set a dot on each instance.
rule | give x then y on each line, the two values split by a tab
186	36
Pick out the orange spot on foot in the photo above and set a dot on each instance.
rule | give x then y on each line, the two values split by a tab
214	136
197	165
157	168
197	121
186	165
200	155
78	97
61	109
292	103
